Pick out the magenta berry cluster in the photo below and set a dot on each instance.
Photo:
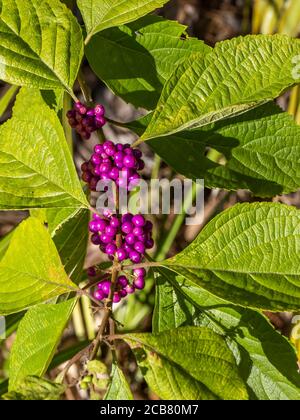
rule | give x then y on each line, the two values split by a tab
86	120
123	287
136	236
116	162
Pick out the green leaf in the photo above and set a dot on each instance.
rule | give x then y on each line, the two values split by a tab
261	149
38	335
33	388
31	271
119	388
267	361
156	44
239	74
70	237
40	44
36	168
102	14
4	243
7	98
99	373
188	361
247	255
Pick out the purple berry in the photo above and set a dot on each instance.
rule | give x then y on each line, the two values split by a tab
130	239
86	177
114	173
127	248
90	112
122	281
119	156
101	225
139	272
121	254
105	167
104	286
99	110
129	161
141	165
91	272
142	238
99	295
123	293
96	239
96	159
98	149
114	222
127	217
111	231
106	239
139	220
130	289
93	226
137	153
135	257
100	121
110	249
148	226
117	298
127	227
149	243
138	231
139	283
139	247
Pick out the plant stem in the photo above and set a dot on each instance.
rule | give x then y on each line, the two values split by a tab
87	316
78	322
86	91
109	301
117	123
156	167
7	98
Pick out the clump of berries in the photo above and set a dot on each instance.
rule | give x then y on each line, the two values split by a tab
123	287
116	162
135	237
86	120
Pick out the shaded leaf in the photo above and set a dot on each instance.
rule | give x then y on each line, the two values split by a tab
267	361
177	361
119	388
33	388
156	44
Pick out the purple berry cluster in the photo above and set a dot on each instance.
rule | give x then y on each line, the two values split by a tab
123	288
116	162
85	120
136	238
